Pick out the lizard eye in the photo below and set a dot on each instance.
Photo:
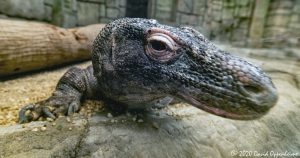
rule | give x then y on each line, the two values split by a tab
161	47
157	45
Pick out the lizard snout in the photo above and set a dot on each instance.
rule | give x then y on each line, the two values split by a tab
261	92
253	84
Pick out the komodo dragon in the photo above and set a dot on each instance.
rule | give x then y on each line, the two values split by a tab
141	64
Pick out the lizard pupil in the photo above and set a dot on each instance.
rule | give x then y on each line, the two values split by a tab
157	45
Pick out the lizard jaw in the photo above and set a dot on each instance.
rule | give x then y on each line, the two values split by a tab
217	111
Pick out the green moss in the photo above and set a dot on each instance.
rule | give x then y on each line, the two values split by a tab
57	18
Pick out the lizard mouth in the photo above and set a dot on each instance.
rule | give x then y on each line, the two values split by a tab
217	111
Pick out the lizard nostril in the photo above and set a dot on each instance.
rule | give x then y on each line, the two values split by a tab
250	90
253	89
262	95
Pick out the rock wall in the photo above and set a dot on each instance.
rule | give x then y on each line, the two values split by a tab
283	22
66	13
267	23
216	18
254	23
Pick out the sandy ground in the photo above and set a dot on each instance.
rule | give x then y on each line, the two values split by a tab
31	88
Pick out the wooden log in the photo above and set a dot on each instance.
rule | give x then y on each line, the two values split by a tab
26	46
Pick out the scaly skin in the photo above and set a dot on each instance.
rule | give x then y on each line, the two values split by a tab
139	64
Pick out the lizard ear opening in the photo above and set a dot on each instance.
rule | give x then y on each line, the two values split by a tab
161	47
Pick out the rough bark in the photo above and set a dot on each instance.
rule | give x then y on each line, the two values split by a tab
26	46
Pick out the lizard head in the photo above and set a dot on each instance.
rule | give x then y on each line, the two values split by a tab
146	60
